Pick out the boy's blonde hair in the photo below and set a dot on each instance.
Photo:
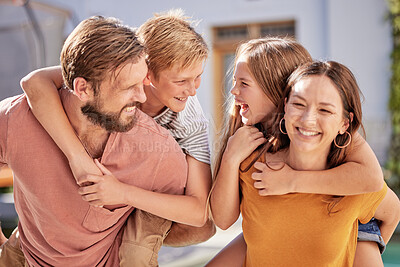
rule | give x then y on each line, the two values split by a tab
170	39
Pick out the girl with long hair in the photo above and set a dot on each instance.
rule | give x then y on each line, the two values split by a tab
262	67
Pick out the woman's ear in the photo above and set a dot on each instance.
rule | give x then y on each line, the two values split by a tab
351	116
344	127
82	89
346	123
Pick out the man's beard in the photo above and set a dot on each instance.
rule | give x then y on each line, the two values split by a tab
108	121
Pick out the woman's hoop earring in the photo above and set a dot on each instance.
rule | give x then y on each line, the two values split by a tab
345	145
280	126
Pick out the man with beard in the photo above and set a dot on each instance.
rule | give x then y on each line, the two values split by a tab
104	70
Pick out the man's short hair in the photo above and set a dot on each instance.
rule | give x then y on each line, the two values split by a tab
96	48
170	39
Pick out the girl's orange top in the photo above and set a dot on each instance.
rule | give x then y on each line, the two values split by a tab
297	229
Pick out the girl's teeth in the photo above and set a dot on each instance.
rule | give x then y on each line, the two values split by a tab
181	98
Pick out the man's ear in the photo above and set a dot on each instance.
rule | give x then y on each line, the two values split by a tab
82	89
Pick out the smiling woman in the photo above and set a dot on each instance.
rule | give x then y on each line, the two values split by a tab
314	115
322	103
318	110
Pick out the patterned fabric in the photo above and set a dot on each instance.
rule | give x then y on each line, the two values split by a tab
189	128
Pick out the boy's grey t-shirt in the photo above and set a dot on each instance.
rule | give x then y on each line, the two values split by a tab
189	128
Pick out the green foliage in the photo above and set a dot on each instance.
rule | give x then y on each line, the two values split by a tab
393	164
6	189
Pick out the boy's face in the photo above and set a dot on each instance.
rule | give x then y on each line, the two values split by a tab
173	86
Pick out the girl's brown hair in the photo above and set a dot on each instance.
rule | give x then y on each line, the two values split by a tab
270	60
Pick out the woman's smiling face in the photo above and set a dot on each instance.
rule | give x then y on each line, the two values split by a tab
314	114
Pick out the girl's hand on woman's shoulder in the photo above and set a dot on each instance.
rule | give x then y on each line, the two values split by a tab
273	179
243	143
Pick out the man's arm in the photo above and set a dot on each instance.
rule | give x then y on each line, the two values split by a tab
184	235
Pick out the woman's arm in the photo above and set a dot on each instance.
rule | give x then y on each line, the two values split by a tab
188	209
361	173
41	88
224	198
388	213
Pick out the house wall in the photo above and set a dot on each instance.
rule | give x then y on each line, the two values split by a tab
353	32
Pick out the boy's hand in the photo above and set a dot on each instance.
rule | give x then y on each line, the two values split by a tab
81	167
104	189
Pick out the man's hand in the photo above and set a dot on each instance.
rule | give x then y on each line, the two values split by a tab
273	179
184	235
